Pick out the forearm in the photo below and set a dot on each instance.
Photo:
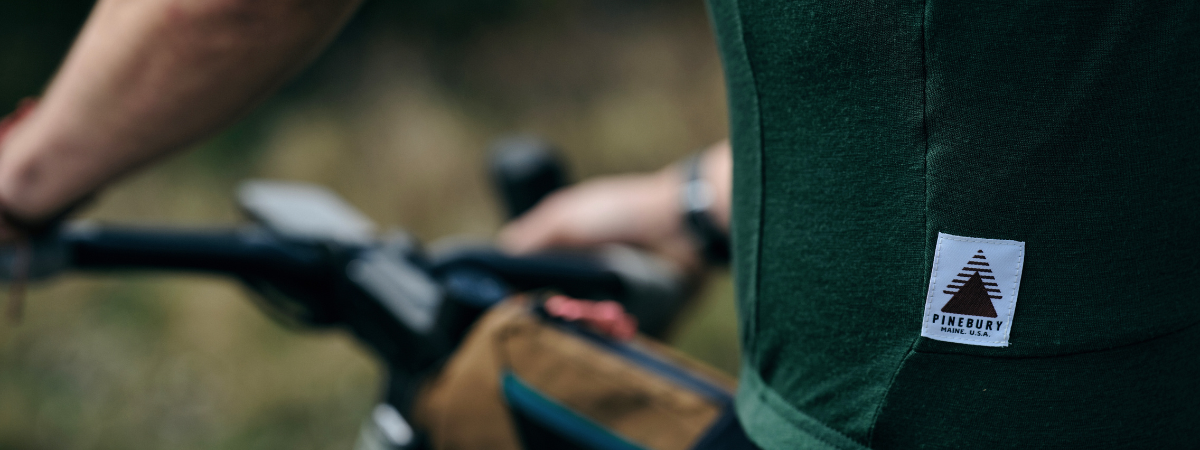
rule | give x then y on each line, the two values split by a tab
149	76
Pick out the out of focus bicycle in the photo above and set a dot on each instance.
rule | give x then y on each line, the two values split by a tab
316	262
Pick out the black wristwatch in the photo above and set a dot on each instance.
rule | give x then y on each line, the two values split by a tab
697	199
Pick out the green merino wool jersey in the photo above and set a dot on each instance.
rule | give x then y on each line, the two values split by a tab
862	129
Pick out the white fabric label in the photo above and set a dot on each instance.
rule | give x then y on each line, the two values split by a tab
973	290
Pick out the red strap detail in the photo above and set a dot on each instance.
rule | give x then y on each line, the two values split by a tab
605	317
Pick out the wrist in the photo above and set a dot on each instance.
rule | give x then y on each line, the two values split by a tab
699	198
31	195
663	203
18	176
27	202
10	131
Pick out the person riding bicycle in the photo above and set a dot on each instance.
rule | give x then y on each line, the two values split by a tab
954	223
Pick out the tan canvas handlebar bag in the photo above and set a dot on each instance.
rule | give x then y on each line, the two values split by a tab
522	381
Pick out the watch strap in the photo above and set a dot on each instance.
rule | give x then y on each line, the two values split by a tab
698	195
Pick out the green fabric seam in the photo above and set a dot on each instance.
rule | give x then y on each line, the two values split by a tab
752	327
765	415
883	398
911	350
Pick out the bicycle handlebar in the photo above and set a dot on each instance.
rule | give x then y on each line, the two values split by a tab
317	273
248	251
316	261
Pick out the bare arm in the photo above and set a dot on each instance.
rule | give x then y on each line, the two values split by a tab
146	77
645	210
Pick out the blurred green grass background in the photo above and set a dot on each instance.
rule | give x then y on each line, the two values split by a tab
396	117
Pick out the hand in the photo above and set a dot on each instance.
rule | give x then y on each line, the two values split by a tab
643	210
16	222
7	124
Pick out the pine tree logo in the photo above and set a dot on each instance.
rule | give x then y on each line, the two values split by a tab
974	296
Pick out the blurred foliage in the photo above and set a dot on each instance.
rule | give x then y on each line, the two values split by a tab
395	116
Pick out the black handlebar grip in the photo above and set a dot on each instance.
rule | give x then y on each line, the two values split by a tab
525	170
